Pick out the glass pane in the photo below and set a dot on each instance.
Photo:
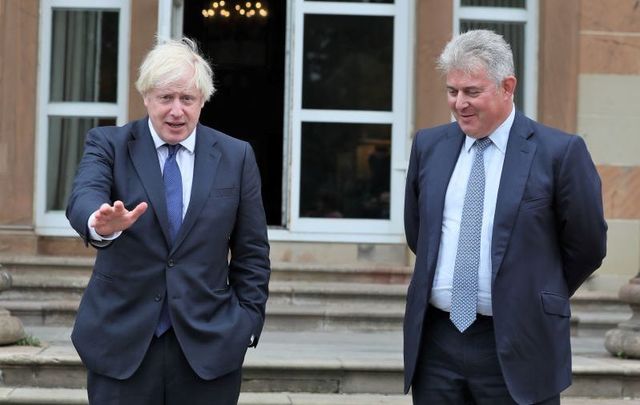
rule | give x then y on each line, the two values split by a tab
347	62
66	144
513	33
495	3
84	56
346	170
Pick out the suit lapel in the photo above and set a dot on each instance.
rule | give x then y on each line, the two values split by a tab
144	156
207	158
445	155
515	172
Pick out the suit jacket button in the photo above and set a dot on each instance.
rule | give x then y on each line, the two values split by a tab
170	263
157	298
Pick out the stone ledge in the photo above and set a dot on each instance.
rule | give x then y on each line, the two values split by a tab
64	396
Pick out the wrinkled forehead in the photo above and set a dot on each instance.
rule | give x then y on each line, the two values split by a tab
179	85
478	75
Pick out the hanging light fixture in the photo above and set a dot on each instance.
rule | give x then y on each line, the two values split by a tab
236	8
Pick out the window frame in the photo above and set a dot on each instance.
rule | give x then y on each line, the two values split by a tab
54	222
399	117
528	16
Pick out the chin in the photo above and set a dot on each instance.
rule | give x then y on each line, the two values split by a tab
469	131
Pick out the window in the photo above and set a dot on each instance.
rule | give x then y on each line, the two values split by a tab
351	81
82	83
517	21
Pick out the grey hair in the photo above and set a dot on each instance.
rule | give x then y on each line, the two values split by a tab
478	49
167	63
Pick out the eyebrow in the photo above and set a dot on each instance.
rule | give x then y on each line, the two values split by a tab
466	89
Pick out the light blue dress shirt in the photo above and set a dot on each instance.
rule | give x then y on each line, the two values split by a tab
452	215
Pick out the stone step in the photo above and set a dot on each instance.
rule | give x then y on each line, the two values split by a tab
49	266
47	290
332	293
279	316
41	286
322	363
334	317
50	285
50	312
64	396
347	314
597	301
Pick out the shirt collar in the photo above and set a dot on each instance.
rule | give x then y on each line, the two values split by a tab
499	137
189	143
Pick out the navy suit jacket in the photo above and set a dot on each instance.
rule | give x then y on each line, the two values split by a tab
549	235
215	275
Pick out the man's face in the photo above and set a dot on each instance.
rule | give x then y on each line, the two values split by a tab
174	110
477	103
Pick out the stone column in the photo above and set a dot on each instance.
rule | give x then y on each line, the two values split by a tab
624	341
11	329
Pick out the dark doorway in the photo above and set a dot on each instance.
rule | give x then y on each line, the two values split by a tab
247	54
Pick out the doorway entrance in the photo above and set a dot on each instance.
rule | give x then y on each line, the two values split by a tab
246	48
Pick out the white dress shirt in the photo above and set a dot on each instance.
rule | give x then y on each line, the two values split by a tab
185	158
452	216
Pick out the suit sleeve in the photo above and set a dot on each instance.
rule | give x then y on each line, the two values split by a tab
581	222
92	184
411	212
250	266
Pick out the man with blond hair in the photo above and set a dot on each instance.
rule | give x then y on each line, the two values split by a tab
180	281
505	218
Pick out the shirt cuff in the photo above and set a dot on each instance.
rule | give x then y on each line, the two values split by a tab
97	239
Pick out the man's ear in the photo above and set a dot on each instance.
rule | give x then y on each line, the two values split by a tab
509	85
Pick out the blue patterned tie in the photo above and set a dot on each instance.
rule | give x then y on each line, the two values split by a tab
173	194
464	294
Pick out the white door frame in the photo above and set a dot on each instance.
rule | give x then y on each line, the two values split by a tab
400	118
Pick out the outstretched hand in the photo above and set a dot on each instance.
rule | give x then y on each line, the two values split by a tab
109	219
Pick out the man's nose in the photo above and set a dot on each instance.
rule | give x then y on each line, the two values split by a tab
176	107
461	101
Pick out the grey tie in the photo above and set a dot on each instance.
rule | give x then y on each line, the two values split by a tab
464	294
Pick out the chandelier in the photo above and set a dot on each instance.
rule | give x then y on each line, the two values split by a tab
231	8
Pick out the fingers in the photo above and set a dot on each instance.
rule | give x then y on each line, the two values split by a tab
101	214
118	208
109	219
138	210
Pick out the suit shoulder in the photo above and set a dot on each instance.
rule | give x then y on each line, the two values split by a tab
553	137
224	140
114	132
552	141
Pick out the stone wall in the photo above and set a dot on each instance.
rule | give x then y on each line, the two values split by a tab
609	119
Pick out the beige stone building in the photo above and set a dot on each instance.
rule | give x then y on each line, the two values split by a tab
329	95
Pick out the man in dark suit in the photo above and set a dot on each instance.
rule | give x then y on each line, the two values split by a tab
505	218
180	281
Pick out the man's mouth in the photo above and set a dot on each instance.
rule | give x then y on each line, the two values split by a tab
175	125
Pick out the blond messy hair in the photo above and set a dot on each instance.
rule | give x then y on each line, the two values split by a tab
168	62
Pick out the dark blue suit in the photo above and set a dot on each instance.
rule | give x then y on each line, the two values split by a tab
549	235
215	275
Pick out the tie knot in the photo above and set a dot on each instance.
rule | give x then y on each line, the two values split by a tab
482	144
173	149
